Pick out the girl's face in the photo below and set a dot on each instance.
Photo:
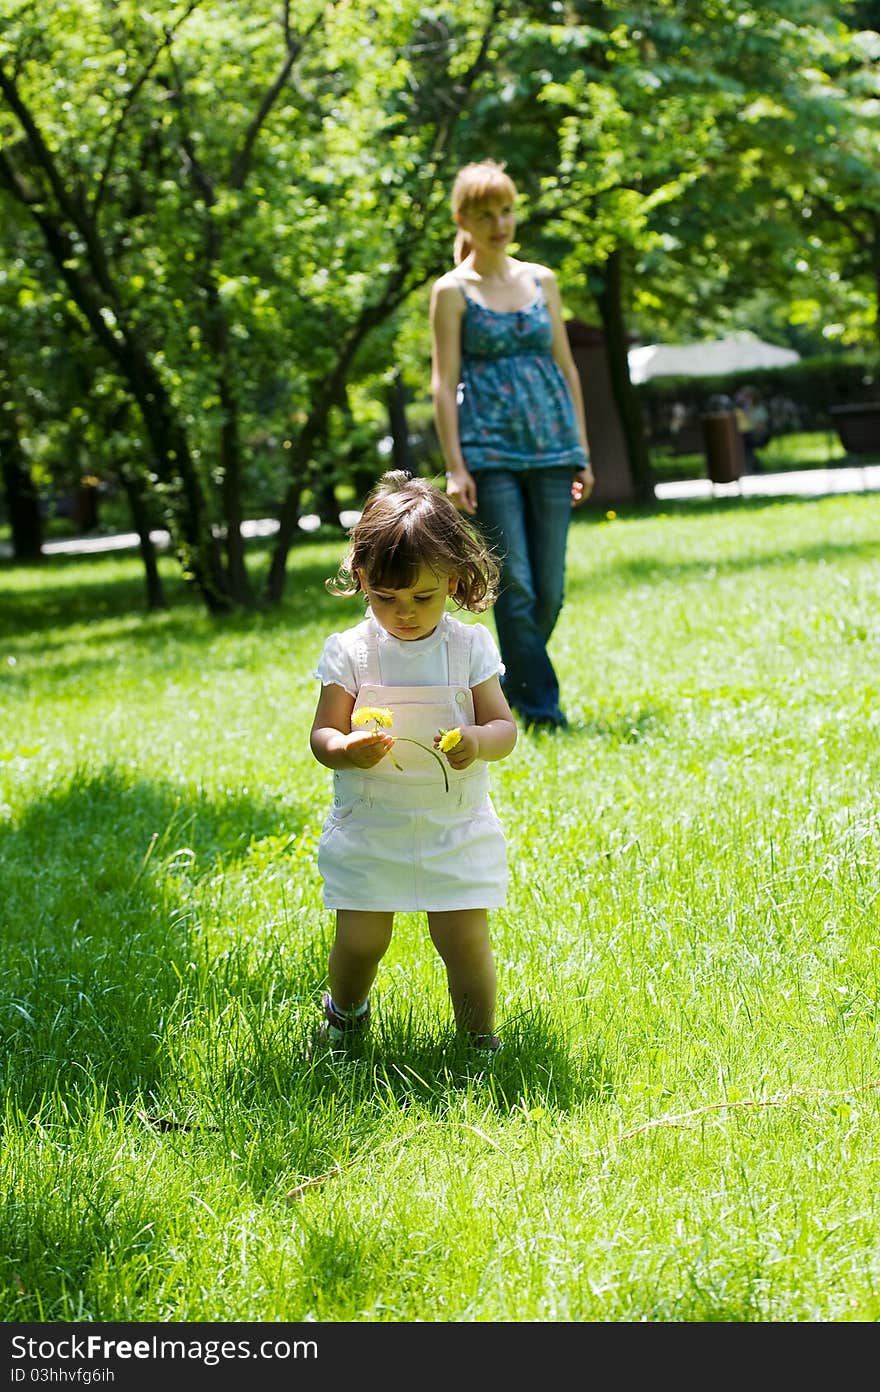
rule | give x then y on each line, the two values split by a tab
489	225
412	613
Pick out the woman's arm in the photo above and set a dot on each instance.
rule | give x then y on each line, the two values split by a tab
561	348
332	740
446	315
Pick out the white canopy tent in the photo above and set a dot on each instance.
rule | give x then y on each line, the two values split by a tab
738	353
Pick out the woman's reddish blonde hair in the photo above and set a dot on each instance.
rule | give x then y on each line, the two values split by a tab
485	181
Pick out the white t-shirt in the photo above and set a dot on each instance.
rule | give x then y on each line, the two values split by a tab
420	662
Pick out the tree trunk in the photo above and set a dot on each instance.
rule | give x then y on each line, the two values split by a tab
401	454
324	501
189	515
309	441
237	578
197	547
288	520
141	520
22	502
610	304
230	457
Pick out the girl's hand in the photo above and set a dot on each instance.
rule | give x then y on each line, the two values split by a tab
366	748
467	749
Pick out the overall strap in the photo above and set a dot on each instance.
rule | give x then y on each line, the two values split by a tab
459	655
367	652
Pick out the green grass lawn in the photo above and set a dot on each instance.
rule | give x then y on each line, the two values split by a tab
683	1124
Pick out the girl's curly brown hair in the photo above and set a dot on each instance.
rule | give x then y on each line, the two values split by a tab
407	523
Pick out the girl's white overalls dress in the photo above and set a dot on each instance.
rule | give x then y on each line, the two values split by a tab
395	839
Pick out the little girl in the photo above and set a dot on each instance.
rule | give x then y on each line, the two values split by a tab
410	713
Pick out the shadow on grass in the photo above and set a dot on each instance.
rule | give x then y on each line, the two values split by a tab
273	1107
103	957
98	589
404	1065
95	589
630	726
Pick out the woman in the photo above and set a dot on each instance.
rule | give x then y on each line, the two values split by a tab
510	420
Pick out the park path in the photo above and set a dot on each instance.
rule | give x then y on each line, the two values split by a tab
802	483
798	483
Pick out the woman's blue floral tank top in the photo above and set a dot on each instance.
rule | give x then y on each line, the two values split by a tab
515	409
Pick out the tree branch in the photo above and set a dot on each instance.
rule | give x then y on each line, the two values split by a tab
129	101
241	164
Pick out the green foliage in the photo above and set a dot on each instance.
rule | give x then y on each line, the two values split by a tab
715	168
219	221
812	386
228	258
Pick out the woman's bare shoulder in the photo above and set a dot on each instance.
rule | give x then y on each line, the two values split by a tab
543	273
450	280
446	293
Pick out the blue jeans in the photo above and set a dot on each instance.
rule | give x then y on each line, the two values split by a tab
525	516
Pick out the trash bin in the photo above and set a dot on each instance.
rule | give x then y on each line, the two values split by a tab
723	443
858	426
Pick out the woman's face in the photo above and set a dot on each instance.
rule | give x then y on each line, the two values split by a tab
490	225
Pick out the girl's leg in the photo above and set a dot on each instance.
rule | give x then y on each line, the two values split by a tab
361	942
462	939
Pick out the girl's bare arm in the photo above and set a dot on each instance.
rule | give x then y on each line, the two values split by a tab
493	733
332	740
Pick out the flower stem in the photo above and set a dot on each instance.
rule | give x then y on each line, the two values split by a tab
405	739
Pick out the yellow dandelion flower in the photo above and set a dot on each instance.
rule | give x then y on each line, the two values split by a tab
375	715
449	740
611	515
381	715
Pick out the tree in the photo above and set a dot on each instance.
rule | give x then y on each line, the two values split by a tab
632	127
799	159
230	260
835	184
226	277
